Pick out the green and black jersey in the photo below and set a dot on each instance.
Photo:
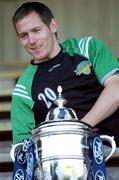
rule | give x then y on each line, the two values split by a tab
81	67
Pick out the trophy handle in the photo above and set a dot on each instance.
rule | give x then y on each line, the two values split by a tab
110	139
13	149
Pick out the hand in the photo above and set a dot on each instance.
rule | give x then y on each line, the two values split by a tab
95	130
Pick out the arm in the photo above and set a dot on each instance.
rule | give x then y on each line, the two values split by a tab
106	104
22	119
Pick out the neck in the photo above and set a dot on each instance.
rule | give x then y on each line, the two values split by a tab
56	50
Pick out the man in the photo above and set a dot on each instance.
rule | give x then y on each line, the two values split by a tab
84	67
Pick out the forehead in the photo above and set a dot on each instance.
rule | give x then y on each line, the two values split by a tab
30	20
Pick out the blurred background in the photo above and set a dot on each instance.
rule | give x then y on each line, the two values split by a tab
76	18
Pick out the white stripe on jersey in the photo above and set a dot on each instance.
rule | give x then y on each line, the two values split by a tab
21	95
20	86
20	90
83	46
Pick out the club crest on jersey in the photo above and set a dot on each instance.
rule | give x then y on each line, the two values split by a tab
83	68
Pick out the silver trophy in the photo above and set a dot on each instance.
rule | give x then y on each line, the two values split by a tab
63	145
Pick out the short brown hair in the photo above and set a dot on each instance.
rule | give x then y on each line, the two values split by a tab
41	9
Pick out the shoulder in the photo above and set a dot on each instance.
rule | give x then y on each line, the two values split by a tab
79	45
27	74
82	41
73	41
24	83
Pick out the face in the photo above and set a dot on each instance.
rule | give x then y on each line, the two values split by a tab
37	38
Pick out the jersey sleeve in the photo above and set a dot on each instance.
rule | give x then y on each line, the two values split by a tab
22	116
104	62
22	120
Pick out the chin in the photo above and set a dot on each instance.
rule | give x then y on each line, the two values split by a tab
41	58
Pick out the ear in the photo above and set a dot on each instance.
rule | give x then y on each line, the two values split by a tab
53	25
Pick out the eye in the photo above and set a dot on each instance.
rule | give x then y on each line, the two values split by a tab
37	30
23	36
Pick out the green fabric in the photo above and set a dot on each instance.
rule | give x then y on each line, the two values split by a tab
22	118
101	58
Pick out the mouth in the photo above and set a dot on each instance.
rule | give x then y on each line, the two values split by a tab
36	50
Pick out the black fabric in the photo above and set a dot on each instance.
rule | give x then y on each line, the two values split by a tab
81	91
78	90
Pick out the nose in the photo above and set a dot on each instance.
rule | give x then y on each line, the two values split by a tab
31	39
